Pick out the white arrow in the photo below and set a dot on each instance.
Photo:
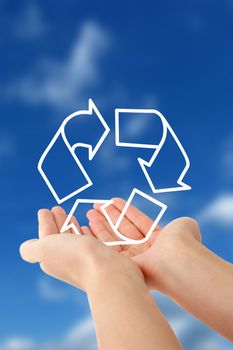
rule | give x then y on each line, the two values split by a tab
144	164
92	110
115	227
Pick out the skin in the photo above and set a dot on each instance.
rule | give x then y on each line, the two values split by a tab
124	312
175	262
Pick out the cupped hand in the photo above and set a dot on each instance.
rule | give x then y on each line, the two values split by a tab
151	255
77	260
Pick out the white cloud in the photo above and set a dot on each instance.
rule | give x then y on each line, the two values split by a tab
62	84
194	22
220	211
7	146
17	344
30	24
192	333
81	336
185	327
227	157
49	290
135	127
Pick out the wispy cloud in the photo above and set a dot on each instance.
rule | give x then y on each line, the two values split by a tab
7	146
227	157
62	84
30	23
135	127
18	344
49	290
193	334
194	22
219	210
80	336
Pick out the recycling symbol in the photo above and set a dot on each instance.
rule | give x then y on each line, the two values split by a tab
83	181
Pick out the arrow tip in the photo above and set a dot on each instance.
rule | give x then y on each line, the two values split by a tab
181	185
92	109
143	163
91	105
184	186
67	227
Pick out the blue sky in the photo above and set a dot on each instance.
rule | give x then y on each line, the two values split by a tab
173	56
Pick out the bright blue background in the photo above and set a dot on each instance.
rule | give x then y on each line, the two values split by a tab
173	56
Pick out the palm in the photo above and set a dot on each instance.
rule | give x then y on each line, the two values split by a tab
135	225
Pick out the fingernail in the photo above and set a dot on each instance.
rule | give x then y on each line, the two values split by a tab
41	211
56	207
90	213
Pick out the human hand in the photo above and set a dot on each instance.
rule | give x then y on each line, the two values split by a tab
152	255
78	260
172	261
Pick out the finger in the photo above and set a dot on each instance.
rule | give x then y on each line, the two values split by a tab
100	231
94	215
30	251
60	216
47	225
136	216
76	224
86	231
126	227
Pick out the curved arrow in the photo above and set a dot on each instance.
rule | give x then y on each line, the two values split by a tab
115	227
70	148
94	118
148	164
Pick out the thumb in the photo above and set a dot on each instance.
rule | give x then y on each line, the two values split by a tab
29	251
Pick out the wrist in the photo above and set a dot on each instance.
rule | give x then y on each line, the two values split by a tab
110	273
96	265
173	258
165	257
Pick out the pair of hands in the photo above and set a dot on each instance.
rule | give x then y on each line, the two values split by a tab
84	260
172	261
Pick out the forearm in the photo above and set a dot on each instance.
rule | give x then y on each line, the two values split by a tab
200	282
126	316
